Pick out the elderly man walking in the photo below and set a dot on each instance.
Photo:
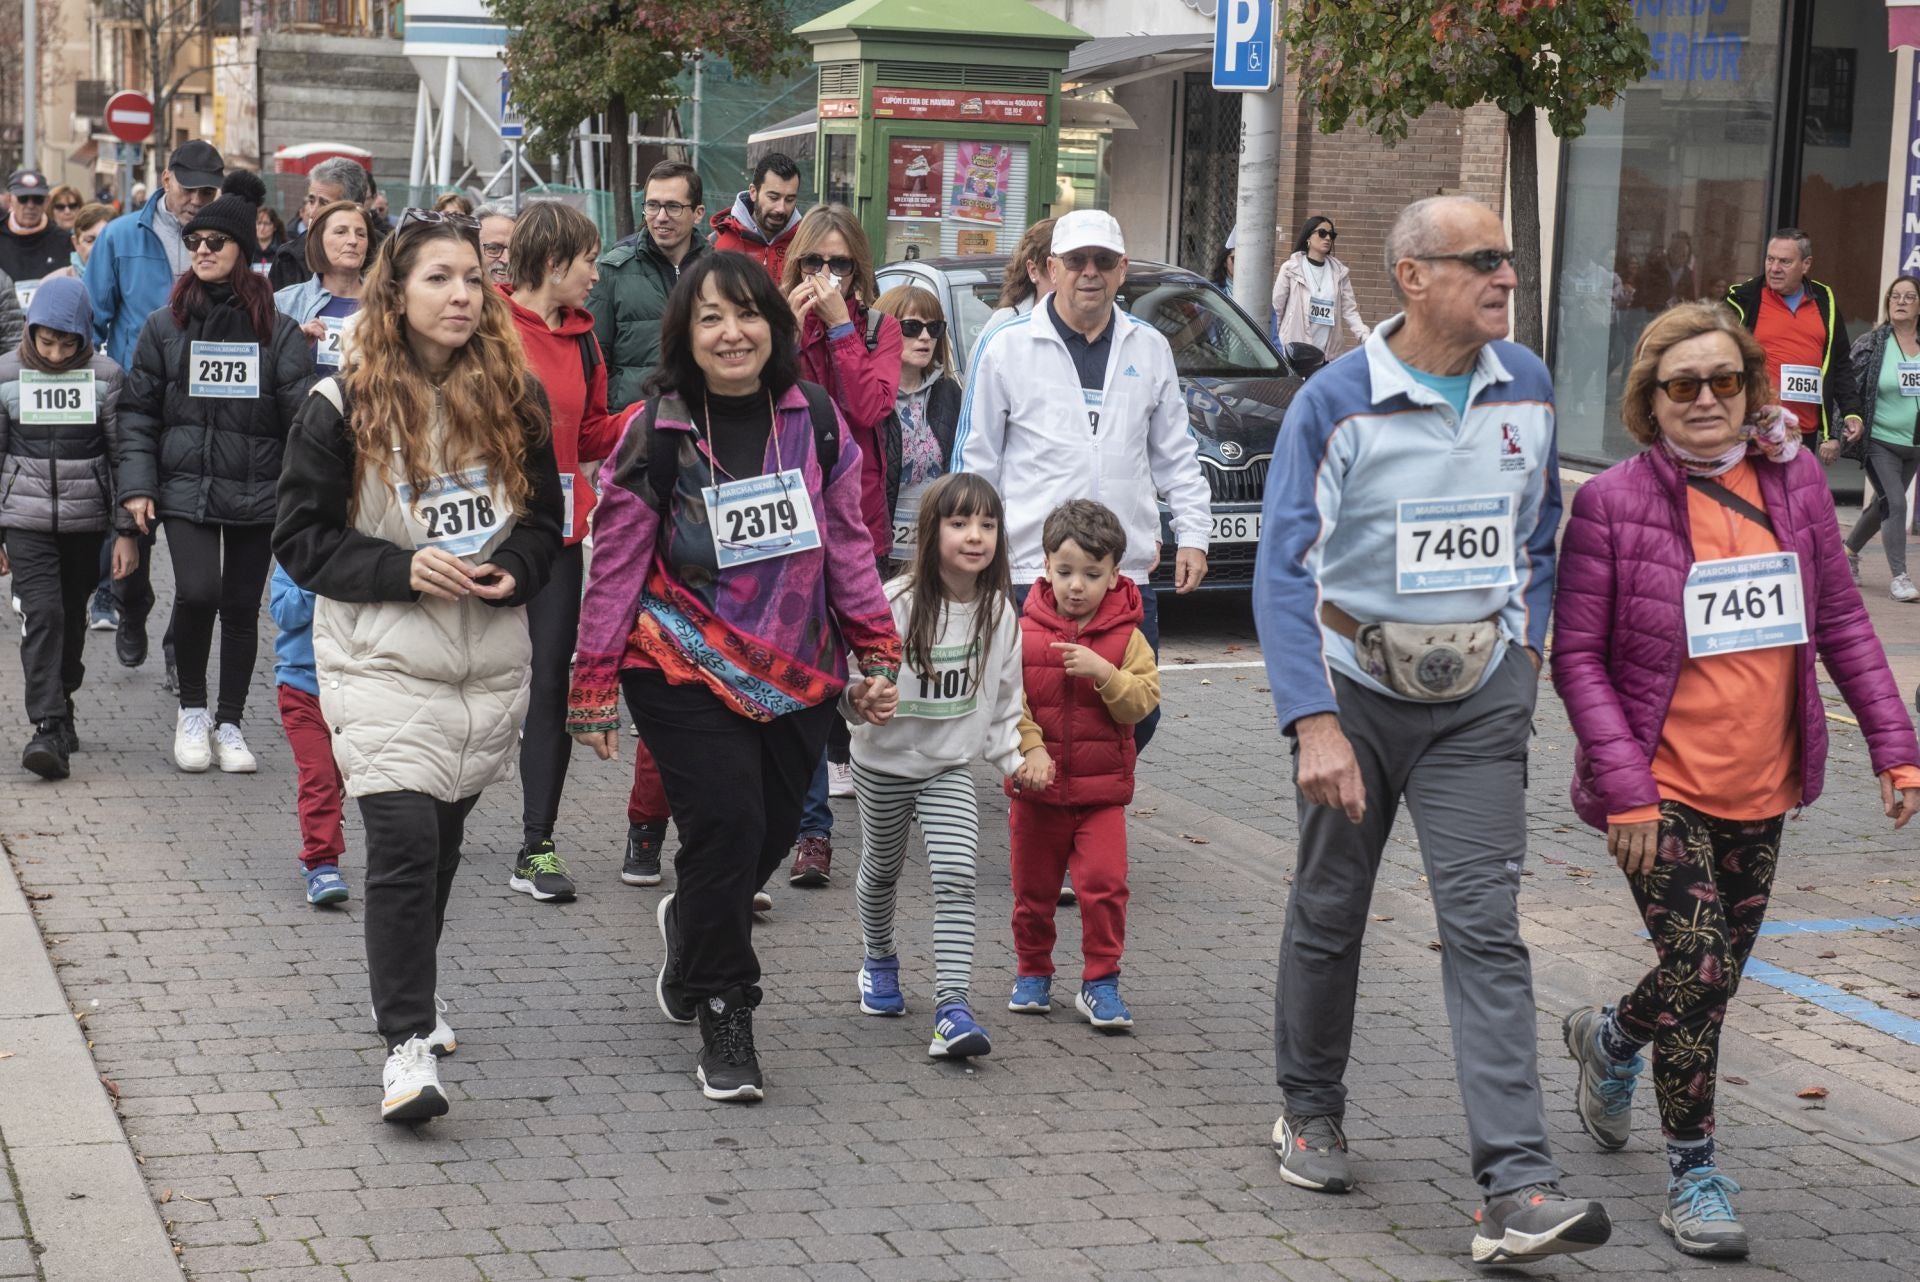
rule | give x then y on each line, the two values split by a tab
1401	593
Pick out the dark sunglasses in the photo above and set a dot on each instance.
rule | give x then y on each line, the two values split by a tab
213	240
66	206
1104	260
1484	261
814	264
914	328
1686	389
1328	232
30	200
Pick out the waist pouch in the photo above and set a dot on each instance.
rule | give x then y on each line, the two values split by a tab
1430	662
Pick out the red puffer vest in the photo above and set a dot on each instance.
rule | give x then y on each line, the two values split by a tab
1092	753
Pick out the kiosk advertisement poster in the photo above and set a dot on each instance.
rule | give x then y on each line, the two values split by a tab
911	240
916	177
981	174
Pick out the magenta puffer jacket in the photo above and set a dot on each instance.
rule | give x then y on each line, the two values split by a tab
1620	635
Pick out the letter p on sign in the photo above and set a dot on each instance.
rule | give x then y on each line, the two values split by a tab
1243	46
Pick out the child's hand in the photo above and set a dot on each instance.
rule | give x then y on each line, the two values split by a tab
856	693
878	701
126	555
1082	662
1035	773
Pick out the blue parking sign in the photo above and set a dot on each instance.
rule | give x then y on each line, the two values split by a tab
1243	46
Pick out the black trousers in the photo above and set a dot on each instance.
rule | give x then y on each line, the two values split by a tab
546	749
413	850
219	572
736	786
53	575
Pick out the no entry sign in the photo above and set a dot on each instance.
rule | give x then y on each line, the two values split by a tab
129	116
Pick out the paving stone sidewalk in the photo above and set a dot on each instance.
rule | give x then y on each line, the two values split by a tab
17	1256
233	1019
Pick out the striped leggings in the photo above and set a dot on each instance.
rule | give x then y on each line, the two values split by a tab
948	810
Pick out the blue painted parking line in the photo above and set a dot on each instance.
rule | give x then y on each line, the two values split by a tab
1837	924
1858	1009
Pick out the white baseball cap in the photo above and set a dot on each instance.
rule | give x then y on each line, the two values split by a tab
1087	229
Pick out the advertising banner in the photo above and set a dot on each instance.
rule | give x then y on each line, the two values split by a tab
981	174
916	178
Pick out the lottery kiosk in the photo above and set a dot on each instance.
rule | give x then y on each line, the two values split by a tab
939	123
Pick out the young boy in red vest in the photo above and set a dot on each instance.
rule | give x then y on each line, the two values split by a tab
1090	677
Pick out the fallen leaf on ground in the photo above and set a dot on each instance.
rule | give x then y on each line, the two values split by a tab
1806	887
1812	1092
1233	649
1184	659
1551	860
166	1196
1206	681
1198	841
1145	811
6	1054
37	895
1731	1080
1378	917
1828	956
1912	994
1435	944
111	1088
1263	689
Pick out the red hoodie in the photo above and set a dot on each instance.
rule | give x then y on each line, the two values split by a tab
862	383
582	431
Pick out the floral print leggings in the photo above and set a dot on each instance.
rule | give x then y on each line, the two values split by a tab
1703	901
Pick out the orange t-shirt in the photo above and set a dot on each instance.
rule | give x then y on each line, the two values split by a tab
1730	746
1791	338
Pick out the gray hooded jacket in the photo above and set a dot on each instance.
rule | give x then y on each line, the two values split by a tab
58	477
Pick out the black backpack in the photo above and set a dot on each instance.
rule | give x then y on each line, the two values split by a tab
663	466
891	444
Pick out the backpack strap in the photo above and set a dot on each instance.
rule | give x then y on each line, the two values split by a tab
663	465
826	431
1733	502
589	361
873	327
330	388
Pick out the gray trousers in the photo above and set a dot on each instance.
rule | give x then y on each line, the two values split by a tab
1462	768
1891	467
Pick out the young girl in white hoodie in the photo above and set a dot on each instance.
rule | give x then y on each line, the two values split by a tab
960	700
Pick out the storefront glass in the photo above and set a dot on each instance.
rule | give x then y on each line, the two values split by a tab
1664	198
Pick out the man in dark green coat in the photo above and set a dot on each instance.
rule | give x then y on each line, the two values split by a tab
637	274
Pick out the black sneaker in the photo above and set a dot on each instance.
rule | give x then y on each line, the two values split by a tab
46	753
1536	1222
667	989
541	873
642	866
70	731
729	1069
130	643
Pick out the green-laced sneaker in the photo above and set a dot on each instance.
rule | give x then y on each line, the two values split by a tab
541	873
1700	1215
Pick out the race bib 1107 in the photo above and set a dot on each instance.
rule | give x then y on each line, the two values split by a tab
945	692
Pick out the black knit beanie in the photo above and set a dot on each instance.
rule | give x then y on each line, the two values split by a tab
230	216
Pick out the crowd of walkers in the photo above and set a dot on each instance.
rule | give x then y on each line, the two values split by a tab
523	488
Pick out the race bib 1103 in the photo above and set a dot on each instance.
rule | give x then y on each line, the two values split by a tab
57	398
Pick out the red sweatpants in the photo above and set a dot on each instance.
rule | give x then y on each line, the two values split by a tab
1092	842
647	803
320	794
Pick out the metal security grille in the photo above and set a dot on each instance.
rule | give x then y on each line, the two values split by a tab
840	80
1238	485
961	75
1209	171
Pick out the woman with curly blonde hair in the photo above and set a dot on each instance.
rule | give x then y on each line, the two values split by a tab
1697	582
421	503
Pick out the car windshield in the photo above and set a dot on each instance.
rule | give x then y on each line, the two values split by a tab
1207	334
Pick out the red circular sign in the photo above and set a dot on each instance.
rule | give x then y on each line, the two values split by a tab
130	116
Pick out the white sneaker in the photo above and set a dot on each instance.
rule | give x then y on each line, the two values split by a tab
412	1079
441	1041
839	778
1902	589
230	750
762	902
192	740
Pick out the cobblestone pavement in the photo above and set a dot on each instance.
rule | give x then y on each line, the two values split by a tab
17	1256
233	1019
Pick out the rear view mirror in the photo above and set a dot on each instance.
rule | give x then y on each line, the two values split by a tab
1304	358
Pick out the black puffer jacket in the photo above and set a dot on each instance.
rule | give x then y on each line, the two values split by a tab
208	460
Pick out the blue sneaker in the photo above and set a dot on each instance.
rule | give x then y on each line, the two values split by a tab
325	885
1099	1000
956	1035
1032	995
880	987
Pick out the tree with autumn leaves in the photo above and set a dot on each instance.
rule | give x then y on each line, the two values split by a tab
573	59
1384	62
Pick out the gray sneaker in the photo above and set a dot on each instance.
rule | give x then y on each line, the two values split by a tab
1700	1215
1534	1223
1605	1098
1313	1152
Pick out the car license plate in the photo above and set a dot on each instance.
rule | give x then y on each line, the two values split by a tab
1236	527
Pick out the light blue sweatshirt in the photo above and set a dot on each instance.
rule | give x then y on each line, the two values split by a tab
292	609
1363	444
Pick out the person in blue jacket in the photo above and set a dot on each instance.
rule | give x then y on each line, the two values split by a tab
129	277
320	794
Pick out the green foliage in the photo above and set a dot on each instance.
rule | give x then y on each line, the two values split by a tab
1384	62
569	59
